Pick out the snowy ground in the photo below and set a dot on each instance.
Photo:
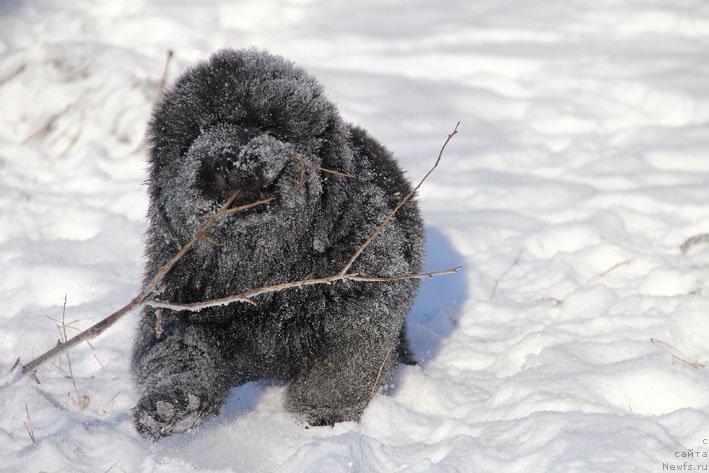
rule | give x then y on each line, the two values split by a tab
581	166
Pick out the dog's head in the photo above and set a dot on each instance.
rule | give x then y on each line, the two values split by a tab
247	121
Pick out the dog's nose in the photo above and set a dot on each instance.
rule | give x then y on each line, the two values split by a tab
226	163
258	164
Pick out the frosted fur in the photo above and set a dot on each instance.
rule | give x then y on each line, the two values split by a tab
232	122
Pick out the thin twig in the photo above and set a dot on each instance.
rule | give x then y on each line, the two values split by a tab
683	358
692	241
47	126
163	79
375	385
158	93
81	401
555	301
75	138
29	428
615	266
247	296
304	163
99	327
12	74
115	465
70	326
93	352
401	203
504	275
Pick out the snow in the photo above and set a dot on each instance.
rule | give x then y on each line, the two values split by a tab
581	166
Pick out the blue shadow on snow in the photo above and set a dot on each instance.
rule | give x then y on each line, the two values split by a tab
440	300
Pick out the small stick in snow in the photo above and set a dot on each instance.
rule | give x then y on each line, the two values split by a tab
163	79
115	465
693	241
555	301
28	426
81	401
48	126
615	266
75	138
504	275
683	358
10	76
158	93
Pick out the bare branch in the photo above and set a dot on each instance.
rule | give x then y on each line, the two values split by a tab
247	296
401	203
102	325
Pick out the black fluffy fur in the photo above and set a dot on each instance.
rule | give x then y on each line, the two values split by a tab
229	123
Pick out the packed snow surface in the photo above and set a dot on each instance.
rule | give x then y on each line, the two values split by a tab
574	338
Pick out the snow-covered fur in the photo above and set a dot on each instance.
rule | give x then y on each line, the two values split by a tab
232	122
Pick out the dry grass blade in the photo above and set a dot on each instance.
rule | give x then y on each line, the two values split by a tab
693	241
679	356
504	275
614	267
115	465
163	79
29	428
48	125
81	401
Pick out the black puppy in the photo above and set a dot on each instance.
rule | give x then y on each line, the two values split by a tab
236	121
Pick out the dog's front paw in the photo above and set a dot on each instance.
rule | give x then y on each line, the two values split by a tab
160	415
